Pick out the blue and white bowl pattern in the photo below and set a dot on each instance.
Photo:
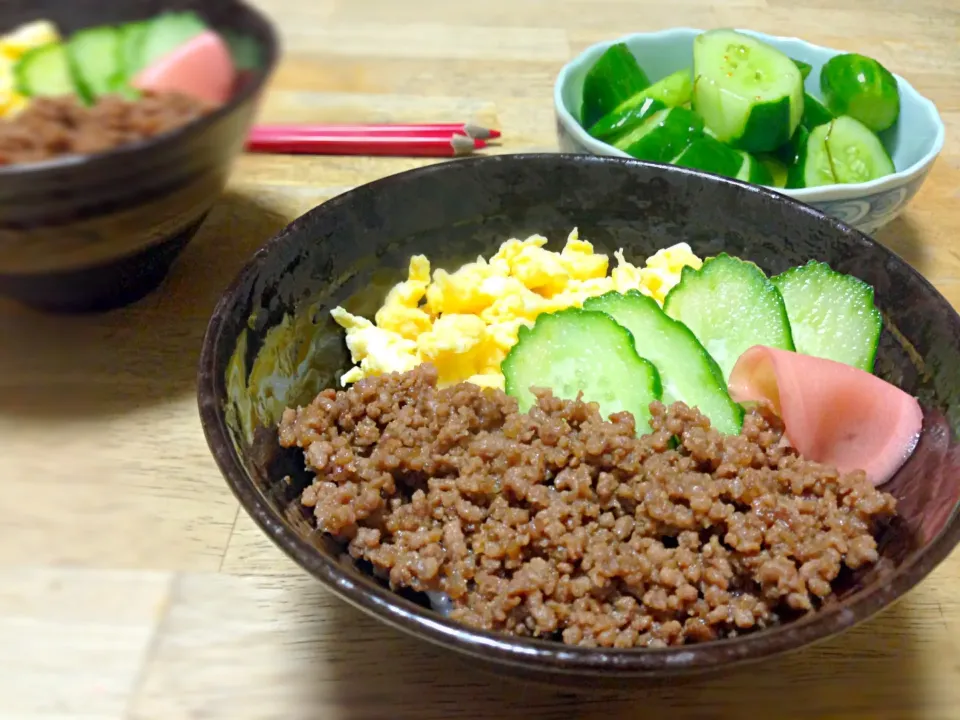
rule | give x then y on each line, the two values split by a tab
914	142
872	212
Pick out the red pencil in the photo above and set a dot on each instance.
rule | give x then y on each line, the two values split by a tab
447	146
377	130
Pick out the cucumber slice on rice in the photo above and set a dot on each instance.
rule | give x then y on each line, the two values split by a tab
573	351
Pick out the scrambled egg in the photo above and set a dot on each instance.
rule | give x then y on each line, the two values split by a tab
465	322
13	46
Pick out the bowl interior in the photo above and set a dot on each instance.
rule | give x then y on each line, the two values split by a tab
272	343
909	141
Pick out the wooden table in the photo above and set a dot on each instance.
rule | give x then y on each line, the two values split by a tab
130	583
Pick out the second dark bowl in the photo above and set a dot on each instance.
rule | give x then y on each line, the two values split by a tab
271	343
84	233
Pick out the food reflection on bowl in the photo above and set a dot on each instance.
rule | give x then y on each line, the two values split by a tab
118	150
272	344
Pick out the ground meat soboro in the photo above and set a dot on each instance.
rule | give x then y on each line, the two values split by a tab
559	524
53	126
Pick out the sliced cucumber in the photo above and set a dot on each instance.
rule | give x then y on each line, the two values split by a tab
777	170
813	167
753	171
95	60
663	136
45	71
814	112
710	155
674	90
686	370
856	154
789	152
166	33
577	350
832	315
131	46
613	79
862	88
804	68
749	93
615	124
730	305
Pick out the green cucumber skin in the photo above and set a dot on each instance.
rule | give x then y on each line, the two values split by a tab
725	329
613	79
818	284
814	112
710	155
789	152
166	33
813	167
768	127
52	60
663	136
862	88
804	68
753	171
93	55
132	36
674	90
778	171
663	339
580	336
838	145
614	125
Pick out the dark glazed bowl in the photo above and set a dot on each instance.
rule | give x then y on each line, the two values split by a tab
271	342
88	233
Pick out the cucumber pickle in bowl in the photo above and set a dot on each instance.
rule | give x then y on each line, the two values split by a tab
118	125
836	130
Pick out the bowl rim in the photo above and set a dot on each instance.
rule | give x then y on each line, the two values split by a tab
525	653
835	192
170	138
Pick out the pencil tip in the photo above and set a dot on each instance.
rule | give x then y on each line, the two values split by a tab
480	132
463	145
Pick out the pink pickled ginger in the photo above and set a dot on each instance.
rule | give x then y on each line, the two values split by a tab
832	413
201	68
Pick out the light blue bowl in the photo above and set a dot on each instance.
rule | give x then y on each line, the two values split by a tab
914	142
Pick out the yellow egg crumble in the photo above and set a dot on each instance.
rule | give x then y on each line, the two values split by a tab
465	322
13	46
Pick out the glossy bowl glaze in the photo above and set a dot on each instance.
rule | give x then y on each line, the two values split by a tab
914	141
271	343
87	233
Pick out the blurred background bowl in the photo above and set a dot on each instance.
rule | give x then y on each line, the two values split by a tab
271	343
88	233
913	142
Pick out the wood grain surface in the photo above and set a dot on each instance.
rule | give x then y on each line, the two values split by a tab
131	586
